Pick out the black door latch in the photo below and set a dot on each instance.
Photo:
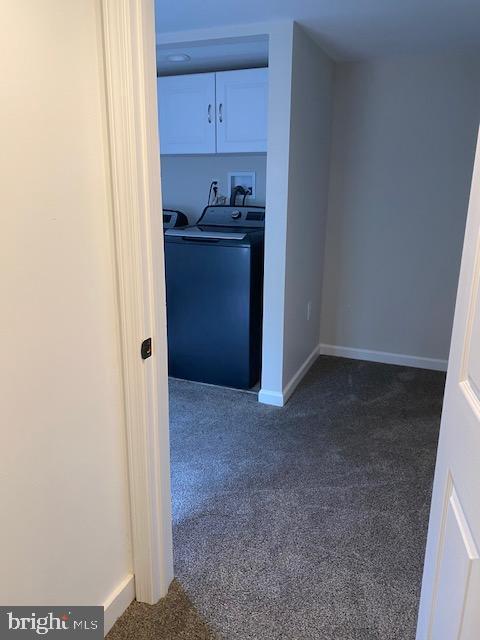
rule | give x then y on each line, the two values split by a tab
146	349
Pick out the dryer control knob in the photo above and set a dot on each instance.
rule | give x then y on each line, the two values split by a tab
236	214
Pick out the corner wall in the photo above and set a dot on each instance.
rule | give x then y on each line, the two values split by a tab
310	134
278	154
402	159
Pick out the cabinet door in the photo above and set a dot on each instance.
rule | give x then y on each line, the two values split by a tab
186	113
242	106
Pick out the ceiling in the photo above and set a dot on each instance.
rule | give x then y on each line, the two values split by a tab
234	53
347	29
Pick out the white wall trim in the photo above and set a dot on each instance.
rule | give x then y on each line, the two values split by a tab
118	601
129	52
275	398
278	399
384	357
298	377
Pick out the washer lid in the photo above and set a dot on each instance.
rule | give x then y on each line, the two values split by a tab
200	234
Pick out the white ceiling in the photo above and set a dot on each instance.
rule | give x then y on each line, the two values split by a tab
234	53
347	29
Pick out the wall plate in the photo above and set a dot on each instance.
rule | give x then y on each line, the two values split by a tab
245	179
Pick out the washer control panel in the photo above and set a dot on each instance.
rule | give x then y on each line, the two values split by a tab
226	216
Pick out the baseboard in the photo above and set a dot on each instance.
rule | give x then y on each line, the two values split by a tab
384	357
118	601
279	399
275	398
299	375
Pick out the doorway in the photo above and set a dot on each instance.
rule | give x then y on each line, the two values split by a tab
348	464
297	414
213	123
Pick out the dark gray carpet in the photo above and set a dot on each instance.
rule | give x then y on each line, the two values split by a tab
308	521
173	618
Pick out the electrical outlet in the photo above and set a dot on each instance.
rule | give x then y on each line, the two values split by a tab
309	309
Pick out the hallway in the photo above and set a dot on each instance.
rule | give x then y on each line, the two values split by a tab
303	522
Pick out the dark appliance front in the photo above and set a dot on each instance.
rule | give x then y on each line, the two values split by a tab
214	302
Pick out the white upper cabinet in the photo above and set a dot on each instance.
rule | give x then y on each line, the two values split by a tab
224	112
186	113
242	106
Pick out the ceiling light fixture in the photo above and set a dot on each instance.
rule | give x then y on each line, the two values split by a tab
178	57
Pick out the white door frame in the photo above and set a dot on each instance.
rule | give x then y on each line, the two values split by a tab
130	72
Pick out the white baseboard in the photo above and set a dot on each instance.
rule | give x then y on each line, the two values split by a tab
299	375
384	357
118	601
279	399
275	398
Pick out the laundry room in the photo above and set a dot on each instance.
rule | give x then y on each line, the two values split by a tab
213	111
366	191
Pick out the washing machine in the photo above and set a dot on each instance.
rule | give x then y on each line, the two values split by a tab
214	277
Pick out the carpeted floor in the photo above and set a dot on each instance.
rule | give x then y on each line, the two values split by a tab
307	522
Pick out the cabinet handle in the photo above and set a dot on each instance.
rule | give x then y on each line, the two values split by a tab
209	114
220	112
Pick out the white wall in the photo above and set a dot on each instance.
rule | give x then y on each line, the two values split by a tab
310	133
65	535
186	179
402	158
278	153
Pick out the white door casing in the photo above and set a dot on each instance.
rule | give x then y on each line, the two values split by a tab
187	113
242	108
449	605
130	80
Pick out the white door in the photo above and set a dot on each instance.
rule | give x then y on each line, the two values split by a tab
450	601
242	106
186	113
